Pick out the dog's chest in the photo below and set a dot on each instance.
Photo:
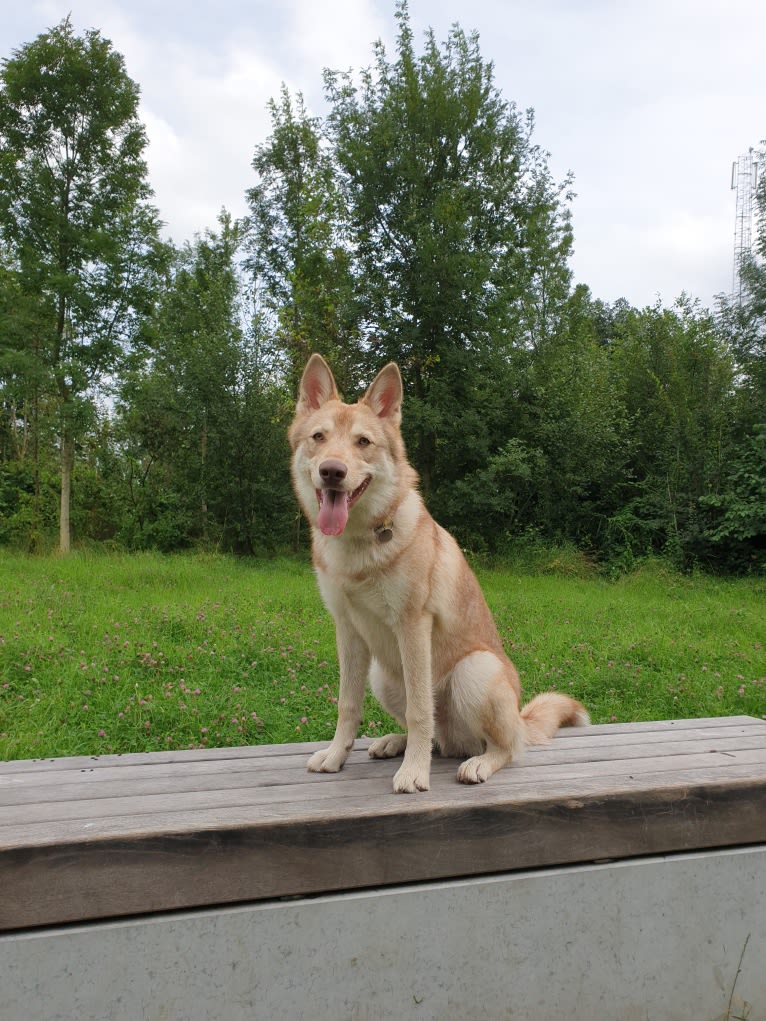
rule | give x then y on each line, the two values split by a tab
374	604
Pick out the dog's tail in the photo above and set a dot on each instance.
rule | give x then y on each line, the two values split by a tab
547	712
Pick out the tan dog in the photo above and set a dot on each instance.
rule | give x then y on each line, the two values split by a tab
409	613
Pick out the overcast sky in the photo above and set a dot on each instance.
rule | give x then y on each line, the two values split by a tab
648	103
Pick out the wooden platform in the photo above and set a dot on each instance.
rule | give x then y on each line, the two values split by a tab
115	836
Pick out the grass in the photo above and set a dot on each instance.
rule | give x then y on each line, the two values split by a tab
116	653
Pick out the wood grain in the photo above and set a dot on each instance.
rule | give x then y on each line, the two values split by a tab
120	835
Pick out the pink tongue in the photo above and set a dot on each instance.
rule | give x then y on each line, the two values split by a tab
333	512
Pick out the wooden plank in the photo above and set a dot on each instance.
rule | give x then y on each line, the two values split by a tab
279	801
368	798
207	762
209	770
305	748
260	787
148	833
236	863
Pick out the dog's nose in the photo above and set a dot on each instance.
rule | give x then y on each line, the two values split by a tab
332	472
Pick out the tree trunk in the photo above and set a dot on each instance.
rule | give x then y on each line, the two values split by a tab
203	475
67	464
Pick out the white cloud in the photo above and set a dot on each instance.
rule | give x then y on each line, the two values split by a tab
648	103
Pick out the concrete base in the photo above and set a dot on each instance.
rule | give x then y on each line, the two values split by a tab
679	938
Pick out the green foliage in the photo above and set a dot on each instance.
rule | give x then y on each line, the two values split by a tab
294	237
459	235
675	379
418	222
77	230
738	527
202	423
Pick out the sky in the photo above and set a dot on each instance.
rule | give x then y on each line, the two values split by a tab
647	102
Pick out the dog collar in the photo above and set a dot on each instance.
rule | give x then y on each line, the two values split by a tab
384	532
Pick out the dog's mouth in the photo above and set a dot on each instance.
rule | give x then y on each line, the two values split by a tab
334	505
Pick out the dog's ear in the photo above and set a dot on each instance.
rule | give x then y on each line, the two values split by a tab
385	394
317	386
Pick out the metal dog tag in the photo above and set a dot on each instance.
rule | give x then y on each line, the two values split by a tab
385	532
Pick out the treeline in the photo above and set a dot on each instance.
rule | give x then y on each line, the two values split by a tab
145	389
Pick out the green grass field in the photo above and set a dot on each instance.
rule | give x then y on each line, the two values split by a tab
106	653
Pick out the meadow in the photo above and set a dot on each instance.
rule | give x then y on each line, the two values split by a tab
110	653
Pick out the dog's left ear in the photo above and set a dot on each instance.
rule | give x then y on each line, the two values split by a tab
385	394
317	386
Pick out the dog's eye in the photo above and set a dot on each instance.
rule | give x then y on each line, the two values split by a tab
363	441
318	437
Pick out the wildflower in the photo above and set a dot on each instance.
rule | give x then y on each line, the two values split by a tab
102	733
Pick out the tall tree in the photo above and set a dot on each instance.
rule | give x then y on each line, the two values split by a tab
460	236
203	424
180	404
675	379
75	215
295	244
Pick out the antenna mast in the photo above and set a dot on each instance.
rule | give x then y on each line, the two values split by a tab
744	174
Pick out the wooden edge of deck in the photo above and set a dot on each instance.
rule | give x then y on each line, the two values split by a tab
118	877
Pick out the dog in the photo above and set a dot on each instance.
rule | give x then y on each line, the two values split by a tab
409	615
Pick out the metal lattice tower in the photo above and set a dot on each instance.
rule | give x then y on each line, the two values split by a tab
744	173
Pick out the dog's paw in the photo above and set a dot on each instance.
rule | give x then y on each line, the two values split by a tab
327	760
388	747
409	781
475	770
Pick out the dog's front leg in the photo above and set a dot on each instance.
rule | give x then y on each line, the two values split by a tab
354	660
415	647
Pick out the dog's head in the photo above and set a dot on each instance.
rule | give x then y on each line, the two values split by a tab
348	460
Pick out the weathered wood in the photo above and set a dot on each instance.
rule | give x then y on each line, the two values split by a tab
117	835
132	767
187	794
266	784
617	732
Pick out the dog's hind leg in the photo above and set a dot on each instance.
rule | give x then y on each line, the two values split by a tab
390	693
484	704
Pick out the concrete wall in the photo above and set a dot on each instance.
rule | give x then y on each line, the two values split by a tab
644	940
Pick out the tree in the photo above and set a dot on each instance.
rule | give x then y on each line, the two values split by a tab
578	419
460	239
181	401
75	218
295	244
675	379
202	427
737	526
